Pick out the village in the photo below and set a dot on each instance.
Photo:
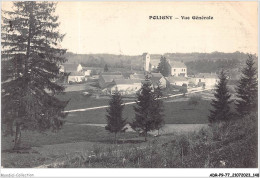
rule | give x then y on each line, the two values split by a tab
130	82
128	85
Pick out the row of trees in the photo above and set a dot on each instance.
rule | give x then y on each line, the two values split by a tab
148	111
246	94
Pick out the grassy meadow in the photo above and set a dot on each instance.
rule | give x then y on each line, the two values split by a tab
175	112
229	145
77	145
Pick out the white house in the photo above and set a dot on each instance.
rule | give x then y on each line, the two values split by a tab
76	77
79	68
208	80
177	80
177	68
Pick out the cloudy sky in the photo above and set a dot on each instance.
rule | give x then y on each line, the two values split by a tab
125	28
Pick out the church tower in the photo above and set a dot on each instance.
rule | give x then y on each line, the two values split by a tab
146	62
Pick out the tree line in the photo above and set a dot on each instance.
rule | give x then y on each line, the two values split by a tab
246	93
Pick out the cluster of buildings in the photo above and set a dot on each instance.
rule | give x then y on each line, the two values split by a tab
131	82
78	72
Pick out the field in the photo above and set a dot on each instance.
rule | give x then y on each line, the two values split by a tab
43	149
174	111
48	146
81	145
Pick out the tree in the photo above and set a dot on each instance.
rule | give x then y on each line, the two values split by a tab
30	64
221	103
163	67
184	89
106	68
247	89
115	121
148	112
143	120
157	109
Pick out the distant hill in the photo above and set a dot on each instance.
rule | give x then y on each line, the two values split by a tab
196	62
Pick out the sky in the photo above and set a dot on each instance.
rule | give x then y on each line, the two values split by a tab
125	27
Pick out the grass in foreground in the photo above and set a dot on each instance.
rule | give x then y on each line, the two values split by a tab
225	145
51	146
70	133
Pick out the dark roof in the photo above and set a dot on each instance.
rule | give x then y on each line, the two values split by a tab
176	79
110	78
76	74
70	67
126	81
155	78
157	75
111	73
206	75
177	64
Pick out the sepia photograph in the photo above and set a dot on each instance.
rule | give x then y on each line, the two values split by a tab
129	85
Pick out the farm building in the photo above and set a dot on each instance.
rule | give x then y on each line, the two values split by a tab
111	73
177	80
68	67
76	77
125	86
158	79
88	71
105	80
177	68
208	80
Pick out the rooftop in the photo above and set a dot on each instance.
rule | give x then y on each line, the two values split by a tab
159	75
126	81
110	78
70	67
177	64
76	74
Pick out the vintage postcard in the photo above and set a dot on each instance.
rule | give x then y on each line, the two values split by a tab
129	85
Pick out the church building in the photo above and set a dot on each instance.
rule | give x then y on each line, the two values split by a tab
177	68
